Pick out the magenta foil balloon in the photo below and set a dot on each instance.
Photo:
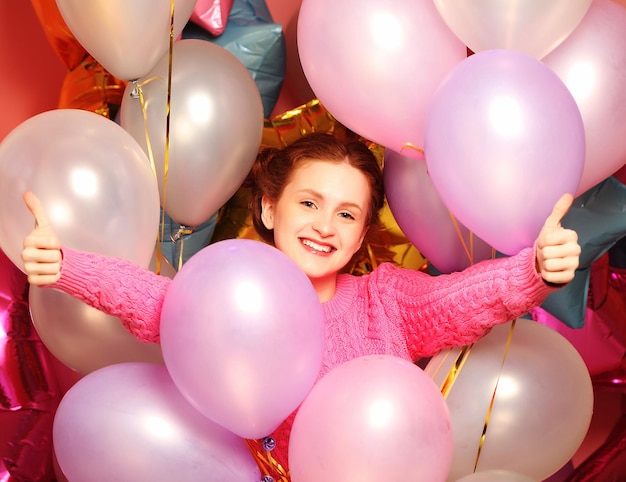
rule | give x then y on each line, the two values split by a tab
504	141
241	335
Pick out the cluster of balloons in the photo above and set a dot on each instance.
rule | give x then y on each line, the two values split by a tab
488	142
102	185
504	131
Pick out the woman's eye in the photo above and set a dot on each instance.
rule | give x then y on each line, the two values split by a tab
346	215
308	204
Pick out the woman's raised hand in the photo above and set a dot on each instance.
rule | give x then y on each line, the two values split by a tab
558	251
41	254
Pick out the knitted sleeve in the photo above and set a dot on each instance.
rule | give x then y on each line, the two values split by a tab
117	287
459	308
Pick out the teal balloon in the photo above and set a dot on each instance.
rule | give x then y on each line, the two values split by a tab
252	36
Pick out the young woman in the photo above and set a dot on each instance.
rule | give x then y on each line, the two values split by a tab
315	200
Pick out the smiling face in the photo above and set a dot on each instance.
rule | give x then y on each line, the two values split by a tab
319	220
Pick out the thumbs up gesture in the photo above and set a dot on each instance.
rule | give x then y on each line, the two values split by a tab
558	251
41	253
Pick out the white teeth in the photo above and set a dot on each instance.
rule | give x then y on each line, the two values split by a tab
315	246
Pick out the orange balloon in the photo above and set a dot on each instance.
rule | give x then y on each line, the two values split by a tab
69	50
87	85
90	87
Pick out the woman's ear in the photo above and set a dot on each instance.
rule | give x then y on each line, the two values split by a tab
267	212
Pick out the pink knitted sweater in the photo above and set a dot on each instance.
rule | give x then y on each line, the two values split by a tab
391	311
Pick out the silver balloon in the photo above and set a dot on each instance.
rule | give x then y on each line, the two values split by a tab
83	338
528	388
215	127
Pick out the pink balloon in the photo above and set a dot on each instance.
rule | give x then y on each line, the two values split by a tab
241	335
93	179
376	417
592	64
129	422
215	127
375	65
295	90
127	37
504	140
425	220
212	15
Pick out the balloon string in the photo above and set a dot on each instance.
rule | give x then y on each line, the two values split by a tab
168	104
408	145
493	395
266	462
167	123
137	92
469	252
455	370
179	236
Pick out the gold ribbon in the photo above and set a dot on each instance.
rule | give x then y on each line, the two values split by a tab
493	395
455	370
408	145
266	463
137	92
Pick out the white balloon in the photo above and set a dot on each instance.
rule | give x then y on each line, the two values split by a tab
534	27
127	37
92	178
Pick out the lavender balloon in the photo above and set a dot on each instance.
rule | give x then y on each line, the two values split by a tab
129	422
504	140
241	335
424	218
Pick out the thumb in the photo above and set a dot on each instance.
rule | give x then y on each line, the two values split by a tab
36	208
559	211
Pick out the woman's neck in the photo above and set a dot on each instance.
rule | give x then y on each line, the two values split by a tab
325	287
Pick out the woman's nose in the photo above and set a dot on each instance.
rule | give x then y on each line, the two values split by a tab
324	224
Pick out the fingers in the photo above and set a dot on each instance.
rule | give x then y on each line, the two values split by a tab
36	208
41	253
559	260
559	211
43	266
